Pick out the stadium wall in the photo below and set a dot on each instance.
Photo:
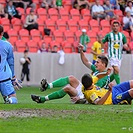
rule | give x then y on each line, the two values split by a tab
46	65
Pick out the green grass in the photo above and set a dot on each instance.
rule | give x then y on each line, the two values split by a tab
61	116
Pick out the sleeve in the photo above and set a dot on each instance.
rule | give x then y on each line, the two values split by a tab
105	39
93	97
124	39
88	39
93	68
10	60
93	46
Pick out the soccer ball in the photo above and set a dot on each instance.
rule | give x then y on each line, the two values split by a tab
22	60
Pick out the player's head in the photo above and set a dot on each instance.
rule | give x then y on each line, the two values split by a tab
101	63
87	81
1	30
115	25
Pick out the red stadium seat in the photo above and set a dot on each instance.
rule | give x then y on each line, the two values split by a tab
72	25
64	14
94	25
5	23
58	36
35	35
50	24
16	24
48	39
86	14
24	35
32	46
42	13
41	26
93	37
78	34
20	46
13	36
105	25
61	25
83	24
75	15
53	13
69	36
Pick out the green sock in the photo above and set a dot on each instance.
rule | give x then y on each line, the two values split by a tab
117	78
55	95
60	82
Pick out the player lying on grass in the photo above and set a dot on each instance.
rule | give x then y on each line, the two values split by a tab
119	94
71	86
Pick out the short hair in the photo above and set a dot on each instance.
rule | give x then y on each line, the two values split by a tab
5	34
1	29
26	51
86	80
103	59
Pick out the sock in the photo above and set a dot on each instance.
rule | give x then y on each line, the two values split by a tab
55	95
117	78
59	82
13	100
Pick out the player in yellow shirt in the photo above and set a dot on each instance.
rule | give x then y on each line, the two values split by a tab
96	48
119	94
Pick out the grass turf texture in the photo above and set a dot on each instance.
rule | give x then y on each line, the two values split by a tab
61	116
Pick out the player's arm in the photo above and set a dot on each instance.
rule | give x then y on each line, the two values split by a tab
125	46
100	101
83	58
10	59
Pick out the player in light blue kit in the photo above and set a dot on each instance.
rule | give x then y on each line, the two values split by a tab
8	81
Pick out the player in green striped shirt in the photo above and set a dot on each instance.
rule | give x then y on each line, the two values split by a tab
116	42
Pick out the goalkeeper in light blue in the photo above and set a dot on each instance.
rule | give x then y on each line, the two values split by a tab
8	81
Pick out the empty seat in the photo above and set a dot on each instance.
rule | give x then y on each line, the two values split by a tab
64	14
86	14
13	36
94	25
83	24
24	35
69	36
42	13
20	46
75	15
61	25
5	23
35	35
72	25
32	46
53	13
41	26
50	24
105	25
58	36
16	24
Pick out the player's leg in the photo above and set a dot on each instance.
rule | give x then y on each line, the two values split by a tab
115	63
61	82
69	89
22	75
28	77
8	92
55	95
121	93
131	88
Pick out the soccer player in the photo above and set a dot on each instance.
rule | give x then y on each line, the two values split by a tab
116	42
8	80
96	48
119	94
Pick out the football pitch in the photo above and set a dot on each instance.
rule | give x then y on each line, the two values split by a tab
61	116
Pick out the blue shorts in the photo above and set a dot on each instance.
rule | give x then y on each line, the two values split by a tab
6	88
120	93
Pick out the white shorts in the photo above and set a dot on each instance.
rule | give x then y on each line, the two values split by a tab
115	62
79	90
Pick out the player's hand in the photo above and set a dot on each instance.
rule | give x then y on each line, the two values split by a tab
16	84
81	47
109	70
111	84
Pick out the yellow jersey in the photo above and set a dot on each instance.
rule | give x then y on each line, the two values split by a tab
96	48
96	92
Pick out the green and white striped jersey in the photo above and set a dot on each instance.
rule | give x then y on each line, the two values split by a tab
115	44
